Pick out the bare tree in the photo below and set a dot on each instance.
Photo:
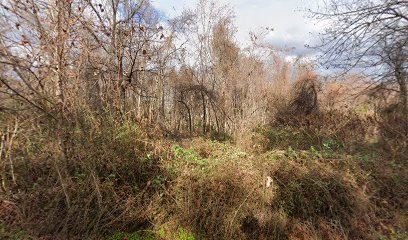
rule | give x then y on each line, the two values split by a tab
367	36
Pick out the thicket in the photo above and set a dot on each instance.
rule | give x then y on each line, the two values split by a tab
112	129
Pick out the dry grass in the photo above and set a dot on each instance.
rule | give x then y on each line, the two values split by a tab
119	178
103	183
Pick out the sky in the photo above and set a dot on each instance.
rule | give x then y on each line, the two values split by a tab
286	17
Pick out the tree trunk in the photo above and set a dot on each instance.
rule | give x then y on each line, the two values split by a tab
59	55
403	95
190	121
204	113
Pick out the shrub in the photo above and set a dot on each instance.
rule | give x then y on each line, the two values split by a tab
310	194
104	182
316	194
393	126
220	136
334	129
228	198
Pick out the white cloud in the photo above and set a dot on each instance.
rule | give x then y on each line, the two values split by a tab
286	17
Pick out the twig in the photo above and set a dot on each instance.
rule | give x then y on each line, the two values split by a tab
3	174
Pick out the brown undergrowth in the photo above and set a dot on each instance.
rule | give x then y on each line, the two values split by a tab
116	180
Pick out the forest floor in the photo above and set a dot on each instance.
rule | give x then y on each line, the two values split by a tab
204	189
